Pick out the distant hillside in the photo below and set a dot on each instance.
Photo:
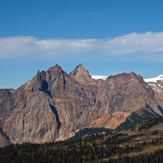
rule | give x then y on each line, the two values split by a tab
141	143
86	132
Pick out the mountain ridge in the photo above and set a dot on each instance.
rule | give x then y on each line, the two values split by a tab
53	105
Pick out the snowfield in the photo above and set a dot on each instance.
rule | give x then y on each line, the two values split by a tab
99	77
154	80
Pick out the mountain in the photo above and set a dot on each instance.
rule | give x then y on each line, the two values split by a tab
121	96
54	105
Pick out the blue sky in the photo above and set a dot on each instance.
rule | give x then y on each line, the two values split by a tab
107	36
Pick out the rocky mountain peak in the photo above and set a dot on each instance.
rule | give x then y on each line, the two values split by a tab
56	68
125	77
80	70
81	75
40	75
55	72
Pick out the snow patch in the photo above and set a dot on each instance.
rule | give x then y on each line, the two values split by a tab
152	84
99	77
154	80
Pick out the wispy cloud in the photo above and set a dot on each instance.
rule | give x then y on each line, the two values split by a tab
136	43
130	44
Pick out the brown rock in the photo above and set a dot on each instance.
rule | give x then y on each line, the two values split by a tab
4	140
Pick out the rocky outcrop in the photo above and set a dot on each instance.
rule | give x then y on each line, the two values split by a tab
54	105
4	140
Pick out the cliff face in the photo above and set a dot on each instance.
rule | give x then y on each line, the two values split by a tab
54	104
4	140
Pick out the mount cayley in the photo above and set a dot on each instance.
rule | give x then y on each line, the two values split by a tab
54	105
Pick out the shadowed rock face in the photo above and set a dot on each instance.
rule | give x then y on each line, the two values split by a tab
4	140
54	104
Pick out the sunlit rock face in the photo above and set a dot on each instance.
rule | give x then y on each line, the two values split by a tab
53	105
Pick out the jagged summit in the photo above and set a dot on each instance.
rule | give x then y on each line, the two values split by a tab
80	70
81	75
55	68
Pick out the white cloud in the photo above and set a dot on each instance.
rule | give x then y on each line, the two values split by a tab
18	46
130	44
136	43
